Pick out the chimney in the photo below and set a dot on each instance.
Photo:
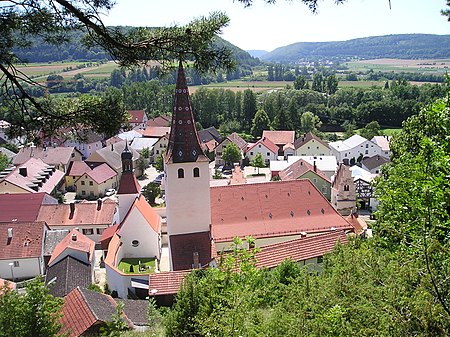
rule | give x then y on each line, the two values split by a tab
112	147
99	204
23	171
72	210
74	237
196	260
315	167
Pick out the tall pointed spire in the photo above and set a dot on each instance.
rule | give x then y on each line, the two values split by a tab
184	145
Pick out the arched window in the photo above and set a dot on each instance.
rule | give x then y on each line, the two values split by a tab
180	173
196	172
346	188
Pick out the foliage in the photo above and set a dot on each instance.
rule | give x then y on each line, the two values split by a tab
414	194
260	123
159	163
145	153
309	122
95	287
141	165
117	325
258	161
151	191
4	161
36	313
370	130
231	154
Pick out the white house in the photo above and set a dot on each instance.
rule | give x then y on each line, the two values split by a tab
265	147
311	145
383	142
353	148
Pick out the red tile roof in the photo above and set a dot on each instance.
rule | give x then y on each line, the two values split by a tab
149	214
280	137
26	242
306	138
76	241
137	116
155	131
78	168
128	184
49	155
21	206
86	213
108	233
299	250
357	222
183	247
236	139
167	283
297	169
159	121
271	209
102	173
11	285
266	142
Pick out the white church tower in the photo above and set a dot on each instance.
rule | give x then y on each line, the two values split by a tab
187	175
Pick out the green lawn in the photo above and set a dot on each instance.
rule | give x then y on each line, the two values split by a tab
131	266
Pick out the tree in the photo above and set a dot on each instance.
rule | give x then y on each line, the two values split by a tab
35	313
151	191
309	122
300	82
231	154
248	109
145	152
159	163
370	130
117	325
141	165
4	161
258	161
260	123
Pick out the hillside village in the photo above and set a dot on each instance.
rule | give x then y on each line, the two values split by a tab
308	198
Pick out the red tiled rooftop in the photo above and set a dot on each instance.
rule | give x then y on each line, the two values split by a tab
86	213
27	240
128	184
21	206
160	121
308	137
155	131
137	116
298	169
76	241
102	173
183	247
266	142
280	137
78	168
299	250
271	209
167	283
49	155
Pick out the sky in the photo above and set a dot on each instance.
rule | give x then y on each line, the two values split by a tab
267	27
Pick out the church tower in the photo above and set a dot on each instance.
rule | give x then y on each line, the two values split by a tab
188	206
129	188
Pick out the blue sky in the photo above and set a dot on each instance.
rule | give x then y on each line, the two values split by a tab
267	27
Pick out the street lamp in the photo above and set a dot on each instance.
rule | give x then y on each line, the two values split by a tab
11	264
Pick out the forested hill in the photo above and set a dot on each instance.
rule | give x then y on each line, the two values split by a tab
403	46
74	50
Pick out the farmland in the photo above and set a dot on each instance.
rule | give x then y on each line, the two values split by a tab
439	66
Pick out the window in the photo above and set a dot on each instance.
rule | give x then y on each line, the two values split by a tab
180	173
367	151
91	193
135	243
259	145
157	151
100	231
83	192
88	231
82	182
251	153
91	183
367	146
16	264
315	180
346	188
268	153
219	153
196	172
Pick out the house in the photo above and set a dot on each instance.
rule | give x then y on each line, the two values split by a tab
326	164
21	249
343	193
233	138
129	136
91	218
311	145
84	312
111	155
138	237
374	164
138	119
23	207
30	177
363	187
159	148
8	153
160	121
51	240
164	286
280	138
59	157
288	150
76	245
301	169
383	142
209	134
141	143
265	147
353	149
91	182
87	142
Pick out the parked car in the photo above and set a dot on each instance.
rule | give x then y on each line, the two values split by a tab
159	178
110	192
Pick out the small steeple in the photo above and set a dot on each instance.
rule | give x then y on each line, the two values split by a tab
127	159
184	145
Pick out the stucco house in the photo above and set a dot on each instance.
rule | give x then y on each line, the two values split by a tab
138	119
311	145
233	138
374	164
354	148
384	143
59	157
91	182
280	138
265	147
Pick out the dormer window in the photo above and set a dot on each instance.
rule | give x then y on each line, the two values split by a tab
180	173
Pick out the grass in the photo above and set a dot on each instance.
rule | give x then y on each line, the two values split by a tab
147	263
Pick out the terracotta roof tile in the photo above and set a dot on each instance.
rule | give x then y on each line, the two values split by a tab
27	240
21	206
279	137
49	155
137	116
76	241
149	214
11	285
271	209
76	314
266	142
167	283
236	139
184	246
128	184
357	222
307	138
78	168
102	173
155	131
298	250
297	169
86	213
159	121
109	232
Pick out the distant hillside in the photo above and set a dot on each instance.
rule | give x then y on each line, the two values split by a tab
403	46
75	51
257	53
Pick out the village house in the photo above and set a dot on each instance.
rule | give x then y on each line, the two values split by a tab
383	142
311	145
280	139
30	177
353	149
265	147
160	121
59	157
138	119
87	143
326	164
160	147
374	164
233	138
23	207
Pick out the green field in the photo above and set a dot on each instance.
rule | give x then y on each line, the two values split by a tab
132	266
438	66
